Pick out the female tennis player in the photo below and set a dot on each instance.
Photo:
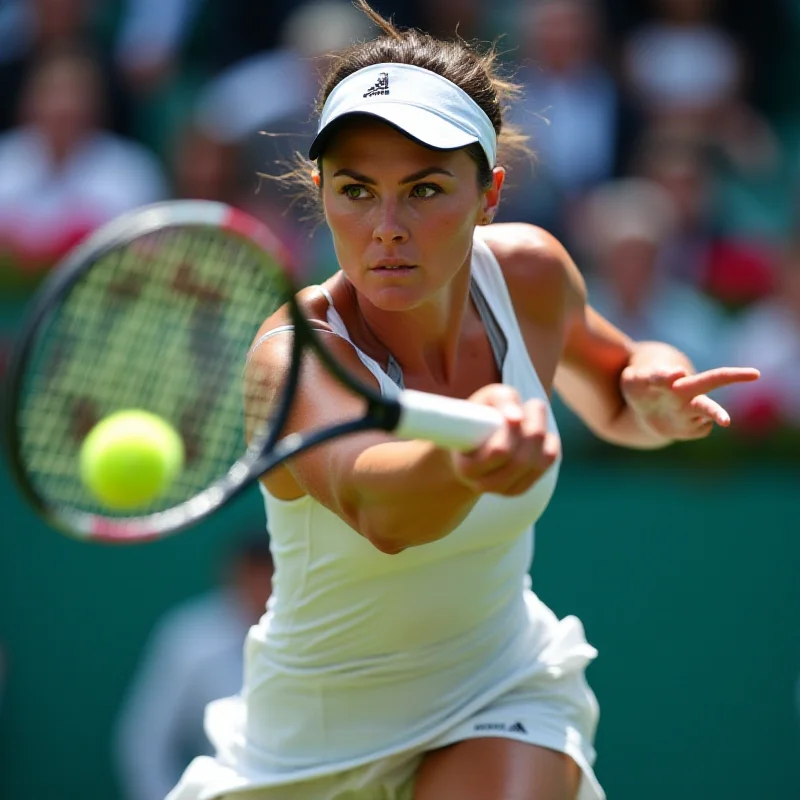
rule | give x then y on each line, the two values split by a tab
403	654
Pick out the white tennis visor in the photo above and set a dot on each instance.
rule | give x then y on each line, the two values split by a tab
416	101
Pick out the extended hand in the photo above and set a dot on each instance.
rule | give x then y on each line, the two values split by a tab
675	405
513	458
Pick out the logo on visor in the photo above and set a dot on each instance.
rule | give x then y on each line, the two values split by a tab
380	87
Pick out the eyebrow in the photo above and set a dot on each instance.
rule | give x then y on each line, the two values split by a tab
415	176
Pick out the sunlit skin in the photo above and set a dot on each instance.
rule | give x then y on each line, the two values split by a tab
392	202
389	201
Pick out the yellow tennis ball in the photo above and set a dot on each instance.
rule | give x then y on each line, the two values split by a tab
129	458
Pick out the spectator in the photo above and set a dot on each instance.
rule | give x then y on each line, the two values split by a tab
193	656
734	268
682	60
255	27
763	33
567	92
234	106
207	168
267	129
627	223
683	66
769	335
35	27
204	168
61	175
167	50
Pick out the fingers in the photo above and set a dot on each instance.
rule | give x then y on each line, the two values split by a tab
649	378
514	457
675	404
708	381
494	452
537	448
701	429
548	455
504	398
710	410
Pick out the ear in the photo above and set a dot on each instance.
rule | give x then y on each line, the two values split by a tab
315	176
491	196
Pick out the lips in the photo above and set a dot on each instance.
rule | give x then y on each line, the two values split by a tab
392	265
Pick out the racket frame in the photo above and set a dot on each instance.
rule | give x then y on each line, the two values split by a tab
382	413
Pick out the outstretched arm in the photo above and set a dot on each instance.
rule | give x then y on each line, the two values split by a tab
396	494
638	394
634	394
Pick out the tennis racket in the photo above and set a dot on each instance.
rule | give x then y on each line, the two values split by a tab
156	311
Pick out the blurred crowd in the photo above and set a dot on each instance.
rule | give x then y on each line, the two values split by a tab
192	656
666	139
666	136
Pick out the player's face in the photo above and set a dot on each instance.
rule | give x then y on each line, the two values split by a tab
402	215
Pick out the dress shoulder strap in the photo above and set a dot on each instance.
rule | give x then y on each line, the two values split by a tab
488	274
389	380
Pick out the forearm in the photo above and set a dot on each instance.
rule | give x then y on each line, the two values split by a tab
404	494
626	428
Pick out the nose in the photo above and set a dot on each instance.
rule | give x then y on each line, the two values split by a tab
389	228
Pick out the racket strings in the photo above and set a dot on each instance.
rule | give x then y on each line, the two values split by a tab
163	325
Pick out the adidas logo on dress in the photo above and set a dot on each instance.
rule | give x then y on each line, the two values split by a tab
517	727
380	87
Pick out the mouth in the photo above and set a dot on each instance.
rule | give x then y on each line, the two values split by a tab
393	268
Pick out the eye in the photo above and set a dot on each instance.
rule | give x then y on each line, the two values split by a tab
354	191
425	191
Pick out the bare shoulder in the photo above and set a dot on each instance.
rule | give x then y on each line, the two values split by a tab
312	303
540	274
269	356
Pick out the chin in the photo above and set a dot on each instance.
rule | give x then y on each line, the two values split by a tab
402	294
395	298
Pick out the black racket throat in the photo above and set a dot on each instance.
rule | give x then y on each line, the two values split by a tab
381	413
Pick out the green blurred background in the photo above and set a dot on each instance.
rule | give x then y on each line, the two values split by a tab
686	581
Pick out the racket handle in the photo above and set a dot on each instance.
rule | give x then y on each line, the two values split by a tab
445	421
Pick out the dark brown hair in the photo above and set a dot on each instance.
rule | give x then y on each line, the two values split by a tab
471	68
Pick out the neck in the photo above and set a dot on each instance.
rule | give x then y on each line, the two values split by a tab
423	340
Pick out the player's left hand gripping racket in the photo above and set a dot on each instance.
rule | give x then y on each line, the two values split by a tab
156	311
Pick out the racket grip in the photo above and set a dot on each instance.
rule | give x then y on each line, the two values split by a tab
445	421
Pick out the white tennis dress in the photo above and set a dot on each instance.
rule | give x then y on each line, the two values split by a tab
364	660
